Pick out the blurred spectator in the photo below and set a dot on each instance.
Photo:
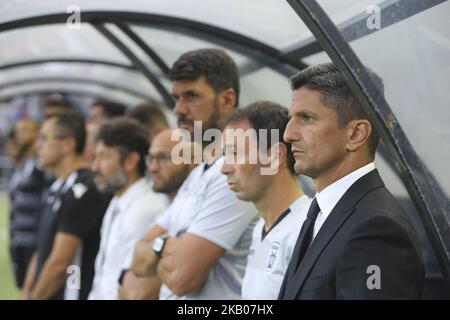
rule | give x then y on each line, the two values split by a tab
11	146
100	111
26	189
150	115
119	164
56	106
69	232
167	178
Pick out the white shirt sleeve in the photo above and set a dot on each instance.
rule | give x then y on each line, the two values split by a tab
145	213
223	218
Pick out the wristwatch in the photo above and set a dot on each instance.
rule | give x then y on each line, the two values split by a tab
158	245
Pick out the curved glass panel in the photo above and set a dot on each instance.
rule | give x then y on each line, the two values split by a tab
413	58
77	72
56	41
269	21
170	45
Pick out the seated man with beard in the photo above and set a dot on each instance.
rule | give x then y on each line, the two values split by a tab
167	178
119	164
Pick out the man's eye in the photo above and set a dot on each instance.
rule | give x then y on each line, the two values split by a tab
307	118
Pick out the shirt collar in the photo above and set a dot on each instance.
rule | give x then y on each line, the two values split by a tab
330	196
300	203
128	197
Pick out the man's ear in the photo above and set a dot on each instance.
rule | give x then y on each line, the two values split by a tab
282	150
358	133
227	101
274	159
131	161
69	145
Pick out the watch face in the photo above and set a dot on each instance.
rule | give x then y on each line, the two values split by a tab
158	244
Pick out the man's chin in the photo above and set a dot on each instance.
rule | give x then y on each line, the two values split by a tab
44	165
299	169
161	189
308	171
242	196
102	187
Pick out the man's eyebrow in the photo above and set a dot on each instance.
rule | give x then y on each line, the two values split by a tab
303	113
190	91
157	153
187	92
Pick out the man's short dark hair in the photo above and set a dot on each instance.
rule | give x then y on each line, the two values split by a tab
58	104
337	94
265	115
110	109
218	68
71	123
128	135
150	115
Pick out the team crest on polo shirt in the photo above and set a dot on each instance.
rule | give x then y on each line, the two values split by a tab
78	190
272	259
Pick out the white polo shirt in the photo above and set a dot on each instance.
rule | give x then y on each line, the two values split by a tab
271	252
206	207
127	219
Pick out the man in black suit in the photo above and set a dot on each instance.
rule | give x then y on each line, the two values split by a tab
357	242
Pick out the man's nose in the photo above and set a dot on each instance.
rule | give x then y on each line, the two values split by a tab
153	166
180	108
290	133
95	165
226	168
39	144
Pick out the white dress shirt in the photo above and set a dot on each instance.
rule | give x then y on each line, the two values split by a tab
330	196
127	219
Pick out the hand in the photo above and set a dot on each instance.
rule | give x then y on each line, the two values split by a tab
26	293
134	288
144	259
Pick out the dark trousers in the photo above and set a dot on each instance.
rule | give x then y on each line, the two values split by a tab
21	257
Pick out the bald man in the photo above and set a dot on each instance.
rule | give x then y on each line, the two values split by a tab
167	178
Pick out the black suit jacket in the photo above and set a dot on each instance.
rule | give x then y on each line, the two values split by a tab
367	248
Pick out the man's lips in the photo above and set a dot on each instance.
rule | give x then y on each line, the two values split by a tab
99	178
298	153
156	178
231	184
185	123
